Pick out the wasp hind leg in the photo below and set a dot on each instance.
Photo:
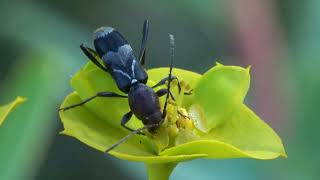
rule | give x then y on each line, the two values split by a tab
91	54
145	32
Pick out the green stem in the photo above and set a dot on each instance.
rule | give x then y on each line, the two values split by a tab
160	171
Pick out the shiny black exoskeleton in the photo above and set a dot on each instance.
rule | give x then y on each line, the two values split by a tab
130	76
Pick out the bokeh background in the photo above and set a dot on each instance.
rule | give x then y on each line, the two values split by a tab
39	51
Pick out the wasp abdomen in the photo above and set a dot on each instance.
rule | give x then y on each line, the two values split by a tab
107	39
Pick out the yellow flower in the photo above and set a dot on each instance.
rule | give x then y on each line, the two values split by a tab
213	122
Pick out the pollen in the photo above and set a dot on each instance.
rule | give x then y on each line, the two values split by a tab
183	120
178	122
173	130
177	118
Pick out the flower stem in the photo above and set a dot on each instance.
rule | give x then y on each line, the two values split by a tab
160	171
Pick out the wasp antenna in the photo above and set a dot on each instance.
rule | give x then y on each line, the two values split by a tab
172	47
129	135
172	43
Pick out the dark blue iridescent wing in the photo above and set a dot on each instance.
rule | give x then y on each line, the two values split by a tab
119	58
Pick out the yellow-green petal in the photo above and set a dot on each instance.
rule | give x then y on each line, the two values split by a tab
188	77
233	130
246	131
6	109
243	135
157	74
97	133
218	92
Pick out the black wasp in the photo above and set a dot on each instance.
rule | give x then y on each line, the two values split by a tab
130	76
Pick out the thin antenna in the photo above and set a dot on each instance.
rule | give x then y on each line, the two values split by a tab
129	135
172	47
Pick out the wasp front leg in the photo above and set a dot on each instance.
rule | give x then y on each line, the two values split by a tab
163	92
164	80
99	94
126	118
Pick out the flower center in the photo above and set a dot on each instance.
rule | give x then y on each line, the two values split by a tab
178	127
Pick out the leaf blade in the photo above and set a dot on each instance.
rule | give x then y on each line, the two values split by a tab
6	109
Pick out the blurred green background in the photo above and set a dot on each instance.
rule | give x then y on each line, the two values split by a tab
39	45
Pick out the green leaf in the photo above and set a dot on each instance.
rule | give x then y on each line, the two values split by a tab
243	135
218	92
6	109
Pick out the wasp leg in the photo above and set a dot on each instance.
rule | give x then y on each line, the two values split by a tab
99	94
163	81
188	93
145	33
91	54
163	92
124	121
137	131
